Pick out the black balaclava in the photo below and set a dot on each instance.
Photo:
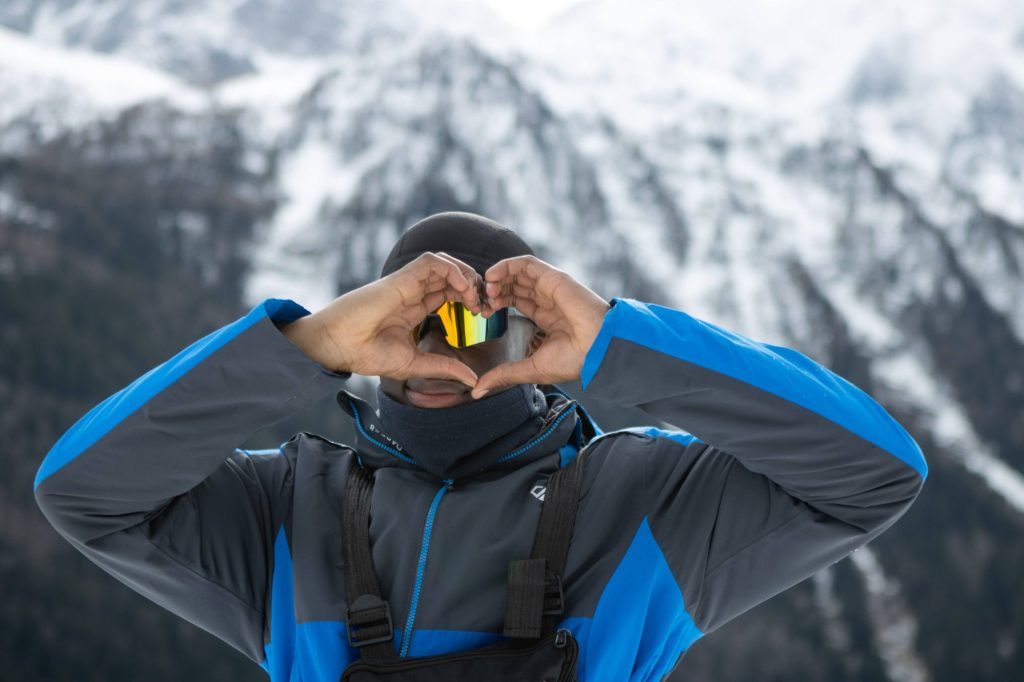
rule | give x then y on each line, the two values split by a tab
496	422
441	438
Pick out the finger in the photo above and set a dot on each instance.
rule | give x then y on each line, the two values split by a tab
465	267
447	269
428	286
441	293
486	309
506	374
528	267
468	294
471	295
435	271
434	299
452	295
514	279
520	290
430	365
524	305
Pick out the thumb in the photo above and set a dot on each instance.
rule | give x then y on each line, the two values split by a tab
506	374
441	366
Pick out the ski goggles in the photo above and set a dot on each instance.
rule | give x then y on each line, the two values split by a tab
462	327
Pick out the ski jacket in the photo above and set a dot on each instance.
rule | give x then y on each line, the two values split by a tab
773	468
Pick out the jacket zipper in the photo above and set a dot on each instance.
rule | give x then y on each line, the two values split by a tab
421	566
428	527
554	423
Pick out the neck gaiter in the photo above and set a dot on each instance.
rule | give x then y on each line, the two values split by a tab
439	438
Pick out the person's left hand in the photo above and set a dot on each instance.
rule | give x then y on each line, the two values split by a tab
567	312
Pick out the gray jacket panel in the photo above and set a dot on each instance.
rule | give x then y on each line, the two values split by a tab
776	468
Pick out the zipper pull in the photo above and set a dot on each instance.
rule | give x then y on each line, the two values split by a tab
450	482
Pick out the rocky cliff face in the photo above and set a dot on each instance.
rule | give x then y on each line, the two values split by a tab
847	181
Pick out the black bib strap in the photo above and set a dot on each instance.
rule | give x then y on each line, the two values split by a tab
535	595
525	596
369	615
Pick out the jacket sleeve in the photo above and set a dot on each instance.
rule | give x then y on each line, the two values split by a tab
150	485
783	467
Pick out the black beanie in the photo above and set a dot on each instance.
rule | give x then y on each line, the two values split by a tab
478	241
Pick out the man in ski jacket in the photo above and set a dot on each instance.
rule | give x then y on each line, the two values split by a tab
772	467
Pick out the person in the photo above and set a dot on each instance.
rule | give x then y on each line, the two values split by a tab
772	467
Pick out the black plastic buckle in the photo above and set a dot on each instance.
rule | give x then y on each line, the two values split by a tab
554	597
367	612
561	638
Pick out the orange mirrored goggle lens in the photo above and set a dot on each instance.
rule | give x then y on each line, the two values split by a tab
462	327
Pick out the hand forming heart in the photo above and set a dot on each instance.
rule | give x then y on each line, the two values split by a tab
568	313
368	330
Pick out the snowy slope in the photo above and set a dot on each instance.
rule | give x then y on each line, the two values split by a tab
209	41
49	88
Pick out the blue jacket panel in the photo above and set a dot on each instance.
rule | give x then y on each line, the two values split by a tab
773	468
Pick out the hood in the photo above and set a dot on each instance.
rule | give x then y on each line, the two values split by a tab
565	426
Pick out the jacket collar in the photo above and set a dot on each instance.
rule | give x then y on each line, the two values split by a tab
566	426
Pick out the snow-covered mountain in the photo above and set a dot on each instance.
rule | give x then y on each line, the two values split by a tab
209	41
45	89
204	42
842	177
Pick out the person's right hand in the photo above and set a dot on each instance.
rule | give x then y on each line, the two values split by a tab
368	330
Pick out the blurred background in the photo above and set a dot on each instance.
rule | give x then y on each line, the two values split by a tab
843	177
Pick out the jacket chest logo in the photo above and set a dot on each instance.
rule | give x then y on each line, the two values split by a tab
538	491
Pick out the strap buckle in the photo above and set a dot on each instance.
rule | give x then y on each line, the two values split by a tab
554	597
366	616
562	638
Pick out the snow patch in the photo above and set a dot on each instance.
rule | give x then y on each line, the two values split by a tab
49	89
946	420
894	625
